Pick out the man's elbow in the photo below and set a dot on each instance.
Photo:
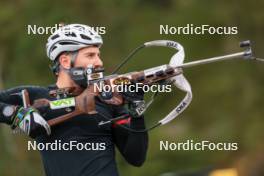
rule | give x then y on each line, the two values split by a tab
137	162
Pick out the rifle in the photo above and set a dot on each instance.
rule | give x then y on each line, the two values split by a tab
84	99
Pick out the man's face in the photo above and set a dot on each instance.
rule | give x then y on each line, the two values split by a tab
88	56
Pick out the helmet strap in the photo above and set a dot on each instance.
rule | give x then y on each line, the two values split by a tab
55	67
73	57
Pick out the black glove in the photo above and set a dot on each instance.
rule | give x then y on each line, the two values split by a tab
30	122
133	92
134	95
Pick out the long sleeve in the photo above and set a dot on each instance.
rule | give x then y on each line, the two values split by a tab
11	97
132	145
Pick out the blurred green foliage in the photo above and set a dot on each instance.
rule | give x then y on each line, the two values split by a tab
228	96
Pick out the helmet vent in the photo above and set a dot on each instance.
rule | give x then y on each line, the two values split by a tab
53	48
91	33
54	37
71	34
68	43
85	37
78	26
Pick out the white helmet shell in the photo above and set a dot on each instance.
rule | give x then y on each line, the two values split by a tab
71	38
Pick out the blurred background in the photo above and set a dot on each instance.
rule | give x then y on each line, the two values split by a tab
228	96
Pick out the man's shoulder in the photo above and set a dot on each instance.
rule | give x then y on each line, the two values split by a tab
34	89
38	92
37	87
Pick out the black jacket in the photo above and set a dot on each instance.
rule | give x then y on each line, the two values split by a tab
99	158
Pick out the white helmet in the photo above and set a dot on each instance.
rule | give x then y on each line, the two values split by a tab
71	38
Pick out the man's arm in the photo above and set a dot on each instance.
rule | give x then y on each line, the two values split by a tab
14	114
133	146
8	98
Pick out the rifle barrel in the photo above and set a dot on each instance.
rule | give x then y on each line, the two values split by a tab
211	60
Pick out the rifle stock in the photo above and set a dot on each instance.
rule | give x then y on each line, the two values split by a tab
84	104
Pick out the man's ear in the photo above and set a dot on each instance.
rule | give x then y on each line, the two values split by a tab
65	61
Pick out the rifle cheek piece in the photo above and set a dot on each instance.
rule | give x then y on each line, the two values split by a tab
78	76
83	76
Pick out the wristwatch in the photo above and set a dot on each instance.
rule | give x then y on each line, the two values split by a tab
9	111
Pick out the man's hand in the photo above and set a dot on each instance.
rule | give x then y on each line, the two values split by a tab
135	98
30	122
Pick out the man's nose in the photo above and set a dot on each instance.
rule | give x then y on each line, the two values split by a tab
98	63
